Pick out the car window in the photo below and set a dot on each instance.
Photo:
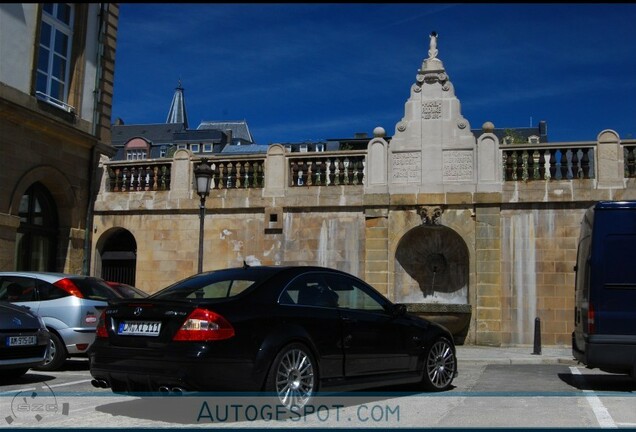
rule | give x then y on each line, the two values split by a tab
95	289
353	294
205	289
17	289
309	290
46	291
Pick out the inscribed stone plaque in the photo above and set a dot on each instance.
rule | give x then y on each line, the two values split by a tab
432	110
406	167
458	165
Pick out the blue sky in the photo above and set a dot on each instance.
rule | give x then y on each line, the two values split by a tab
315	71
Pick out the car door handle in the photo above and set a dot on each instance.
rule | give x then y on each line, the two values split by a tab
349	320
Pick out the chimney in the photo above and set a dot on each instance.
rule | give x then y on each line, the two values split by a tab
228	133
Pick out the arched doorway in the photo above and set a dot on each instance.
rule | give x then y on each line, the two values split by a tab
36	239
118	256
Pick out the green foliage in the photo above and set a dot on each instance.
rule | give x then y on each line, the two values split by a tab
514	137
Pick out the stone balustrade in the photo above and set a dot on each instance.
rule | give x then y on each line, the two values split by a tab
238	173
520	163
333	169
548	162
138	176
629	155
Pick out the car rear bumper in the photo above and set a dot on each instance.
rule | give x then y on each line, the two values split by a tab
77	340
131	370
24	357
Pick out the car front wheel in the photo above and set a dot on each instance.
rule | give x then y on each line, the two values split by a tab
293	376
440	365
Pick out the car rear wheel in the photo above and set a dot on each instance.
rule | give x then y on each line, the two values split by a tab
440	365
57	355
293	376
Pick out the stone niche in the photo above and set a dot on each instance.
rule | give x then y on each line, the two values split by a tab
432	274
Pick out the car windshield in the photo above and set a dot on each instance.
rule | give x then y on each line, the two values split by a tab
95	289
205	288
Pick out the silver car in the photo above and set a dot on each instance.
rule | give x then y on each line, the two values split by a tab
69	305
24	343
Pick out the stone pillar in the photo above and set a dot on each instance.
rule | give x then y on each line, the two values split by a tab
610	164
182	176
276	172
377	164
488	312
8	227
489	162
376	260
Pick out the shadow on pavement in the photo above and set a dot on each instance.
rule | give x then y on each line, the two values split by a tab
600	382
228	408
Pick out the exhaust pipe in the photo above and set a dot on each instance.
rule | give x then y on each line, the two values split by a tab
100	383
175	391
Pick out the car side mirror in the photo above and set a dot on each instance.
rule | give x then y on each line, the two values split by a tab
398	310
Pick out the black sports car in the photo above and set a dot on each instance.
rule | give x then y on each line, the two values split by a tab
291	331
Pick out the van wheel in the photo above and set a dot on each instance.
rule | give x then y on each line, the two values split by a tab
57	355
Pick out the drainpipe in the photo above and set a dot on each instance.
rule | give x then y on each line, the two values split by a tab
92	164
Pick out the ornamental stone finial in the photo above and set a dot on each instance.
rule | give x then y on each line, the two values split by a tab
432	52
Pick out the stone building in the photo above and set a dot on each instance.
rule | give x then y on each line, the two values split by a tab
56	87
160	140
474	232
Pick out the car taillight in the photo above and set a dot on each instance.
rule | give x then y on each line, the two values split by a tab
68	286
591	324
101	330
204	325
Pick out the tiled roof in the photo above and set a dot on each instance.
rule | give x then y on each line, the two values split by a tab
199	135
155	133
541	131
245	149
239	128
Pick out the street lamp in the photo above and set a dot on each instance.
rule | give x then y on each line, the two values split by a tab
203	176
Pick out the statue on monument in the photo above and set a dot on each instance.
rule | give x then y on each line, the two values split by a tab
432	52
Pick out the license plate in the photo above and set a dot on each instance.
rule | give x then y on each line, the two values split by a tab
21	340
139	328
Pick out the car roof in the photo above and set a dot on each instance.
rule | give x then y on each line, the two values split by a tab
47	276
15	309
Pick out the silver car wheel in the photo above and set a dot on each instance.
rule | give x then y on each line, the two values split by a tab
441	364
52	351
295	378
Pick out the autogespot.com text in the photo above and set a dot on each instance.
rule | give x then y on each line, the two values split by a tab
321	411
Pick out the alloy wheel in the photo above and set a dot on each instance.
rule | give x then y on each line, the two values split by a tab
295	378
441	364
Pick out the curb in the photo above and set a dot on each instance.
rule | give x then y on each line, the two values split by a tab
519	361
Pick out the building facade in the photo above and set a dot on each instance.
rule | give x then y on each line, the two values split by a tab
476	229
57	65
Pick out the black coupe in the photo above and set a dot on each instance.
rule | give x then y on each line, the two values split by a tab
288	331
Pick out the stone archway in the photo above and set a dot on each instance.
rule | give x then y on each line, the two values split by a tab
117	256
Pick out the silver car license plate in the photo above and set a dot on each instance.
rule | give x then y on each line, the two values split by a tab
139	328
21	340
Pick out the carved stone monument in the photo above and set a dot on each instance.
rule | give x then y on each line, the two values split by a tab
433	149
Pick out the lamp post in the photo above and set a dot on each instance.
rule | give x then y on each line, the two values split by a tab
203	176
